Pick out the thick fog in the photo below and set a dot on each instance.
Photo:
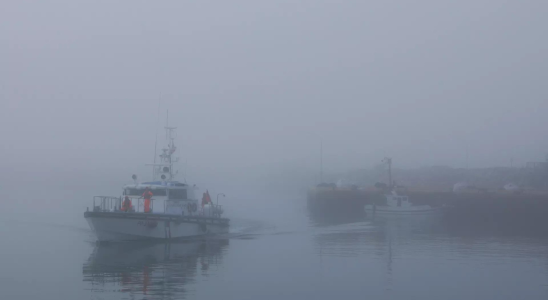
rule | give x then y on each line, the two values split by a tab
257	91
255	86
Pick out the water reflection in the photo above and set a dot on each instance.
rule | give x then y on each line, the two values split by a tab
429	232
151	270
408	253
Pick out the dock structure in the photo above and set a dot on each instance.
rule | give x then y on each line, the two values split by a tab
499	205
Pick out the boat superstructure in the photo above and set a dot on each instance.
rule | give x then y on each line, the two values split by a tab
175	211
398	204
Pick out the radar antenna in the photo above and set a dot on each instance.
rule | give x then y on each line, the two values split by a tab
163	170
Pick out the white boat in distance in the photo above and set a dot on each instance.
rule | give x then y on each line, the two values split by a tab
172	212
399	205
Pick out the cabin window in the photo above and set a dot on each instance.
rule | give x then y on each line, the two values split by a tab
158	192
140	192
177	194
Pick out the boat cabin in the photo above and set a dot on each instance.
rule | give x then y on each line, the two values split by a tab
170	197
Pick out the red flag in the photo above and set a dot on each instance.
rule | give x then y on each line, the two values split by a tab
206	198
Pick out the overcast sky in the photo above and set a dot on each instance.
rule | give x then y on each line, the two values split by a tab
255	85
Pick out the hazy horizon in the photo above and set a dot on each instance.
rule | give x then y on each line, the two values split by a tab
254	87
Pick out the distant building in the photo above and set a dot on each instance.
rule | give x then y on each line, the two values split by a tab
537	165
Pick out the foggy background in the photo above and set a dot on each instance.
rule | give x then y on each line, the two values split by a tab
254	86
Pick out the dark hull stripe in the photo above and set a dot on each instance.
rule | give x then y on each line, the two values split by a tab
158	217
403	212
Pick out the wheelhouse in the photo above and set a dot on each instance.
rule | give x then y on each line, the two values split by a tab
172	190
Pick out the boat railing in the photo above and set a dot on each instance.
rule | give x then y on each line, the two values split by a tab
111	204
215	210
141	205
106	203
114	204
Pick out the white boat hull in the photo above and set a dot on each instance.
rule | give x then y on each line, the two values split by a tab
399	205
139	226
389	210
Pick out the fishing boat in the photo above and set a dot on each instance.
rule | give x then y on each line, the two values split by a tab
172	211
396	204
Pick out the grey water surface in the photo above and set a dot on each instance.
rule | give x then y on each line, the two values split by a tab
277	249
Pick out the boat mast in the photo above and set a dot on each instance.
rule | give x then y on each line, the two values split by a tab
388	161
156	139
321	161
164	169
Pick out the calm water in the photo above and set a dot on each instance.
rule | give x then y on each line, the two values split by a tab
277	250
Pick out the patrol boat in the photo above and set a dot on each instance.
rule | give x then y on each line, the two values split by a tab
174	211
